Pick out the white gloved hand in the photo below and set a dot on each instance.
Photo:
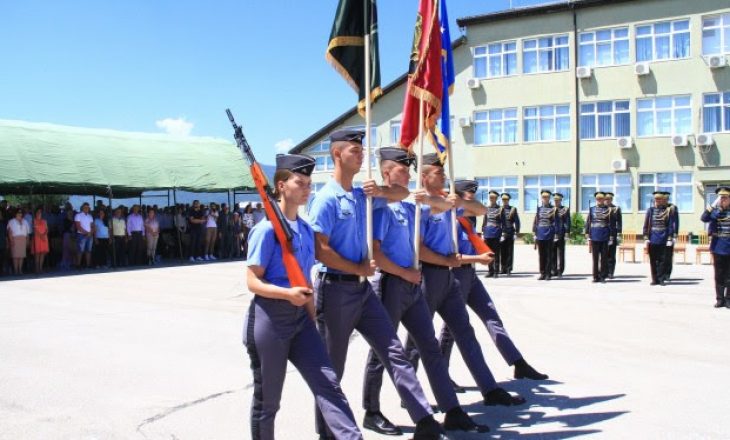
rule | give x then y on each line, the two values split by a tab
647	243
716	203
501	239
610	242
555	239
670	243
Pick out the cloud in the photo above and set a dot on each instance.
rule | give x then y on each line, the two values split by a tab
176	127
284	145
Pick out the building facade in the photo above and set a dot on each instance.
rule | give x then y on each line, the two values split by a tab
628	96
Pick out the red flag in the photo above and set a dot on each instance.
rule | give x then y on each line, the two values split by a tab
424	74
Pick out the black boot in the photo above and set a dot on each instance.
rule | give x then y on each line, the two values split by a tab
376	421
499	396
457	420
523	370
720	303
429	429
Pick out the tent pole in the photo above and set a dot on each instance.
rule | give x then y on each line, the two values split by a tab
228	193
177	230
111	227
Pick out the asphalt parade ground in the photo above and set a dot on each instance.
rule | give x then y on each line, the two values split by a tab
157	354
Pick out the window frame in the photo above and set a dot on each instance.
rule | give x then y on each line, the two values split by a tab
538	118
565	189
503	54
393	124
655	186
653	37
614	113
594	43
673	131
487	121
724	108
614	188
512	190
553	49
724	23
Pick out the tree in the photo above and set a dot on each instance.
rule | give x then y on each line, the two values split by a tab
35	200
577	226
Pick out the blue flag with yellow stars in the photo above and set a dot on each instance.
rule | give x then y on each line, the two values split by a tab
443	132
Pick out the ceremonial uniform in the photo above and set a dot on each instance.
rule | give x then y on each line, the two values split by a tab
492	230
674	218
509	233
658	234
719	229
617	217
277	331
599	225
544	227
562	231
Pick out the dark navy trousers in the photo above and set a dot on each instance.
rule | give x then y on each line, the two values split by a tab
275	332
478	299
443	296
405	303
345	306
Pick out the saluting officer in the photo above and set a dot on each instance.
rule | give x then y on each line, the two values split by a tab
478	299
492	230
345	300
280	326
509	234
718	217
399	286
658	234
598	230
561	231
617	217
544	227
442	290
674	218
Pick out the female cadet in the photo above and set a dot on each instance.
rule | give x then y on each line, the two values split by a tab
279	326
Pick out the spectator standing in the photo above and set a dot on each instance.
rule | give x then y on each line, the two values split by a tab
101	240
69	239
181	227
225	232
119	237
18	231
211	232
237	230
258	214
40	239
135	233
152	232
248	223
84	235
197	228
3	237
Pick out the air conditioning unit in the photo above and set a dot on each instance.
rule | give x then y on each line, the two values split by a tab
583	72
465	121
704	139
642	68
716	61
473	83
619	165
679	140
625	142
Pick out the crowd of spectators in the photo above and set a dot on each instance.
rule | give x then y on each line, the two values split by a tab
62	239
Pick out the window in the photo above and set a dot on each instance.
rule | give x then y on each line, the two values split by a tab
605	119
501	184
608	47
667	40
619	184
550	182
668	115
546	123
678	184
546	54
716	112
495	127
374	145
716	35
321	155
394	133
495	60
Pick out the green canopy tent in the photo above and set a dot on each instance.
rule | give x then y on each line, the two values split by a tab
39	158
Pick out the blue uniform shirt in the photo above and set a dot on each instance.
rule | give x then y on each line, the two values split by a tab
393	226
719	229
599	224
658	225
493	222
265	251
340	215
436	230
546	222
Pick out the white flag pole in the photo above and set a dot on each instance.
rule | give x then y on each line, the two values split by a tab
368	140
419	186
452	190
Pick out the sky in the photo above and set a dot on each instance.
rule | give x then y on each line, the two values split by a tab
175	66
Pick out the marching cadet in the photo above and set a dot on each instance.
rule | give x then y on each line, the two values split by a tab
718	217
399	288
561	231
674	218
509	234
598	230
280	326
441	288
492	230
477	298
617	217
658	234
544	227
345	300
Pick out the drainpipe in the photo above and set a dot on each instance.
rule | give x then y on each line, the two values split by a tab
576	105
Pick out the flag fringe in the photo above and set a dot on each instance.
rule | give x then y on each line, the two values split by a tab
343	42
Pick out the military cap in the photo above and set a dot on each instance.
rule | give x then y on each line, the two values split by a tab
296	163
544	192
496	194
723	191
397	155
505	196
466	185
347	134
658	194
557	196
609	194
432	159
599	194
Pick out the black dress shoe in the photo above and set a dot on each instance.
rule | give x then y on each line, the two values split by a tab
429	429
603	280
663	283
499	396
548	278
727	303
720	303
376	421
458	388
653	283
523	370
610	276
595	280
457	420
542	277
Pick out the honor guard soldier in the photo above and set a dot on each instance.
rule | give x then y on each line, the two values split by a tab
509	234
658	234
718	217
618	227
345	300
544	227
477	298
561	231
442	290
674	218
492	230
599	225
279	325
399	286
